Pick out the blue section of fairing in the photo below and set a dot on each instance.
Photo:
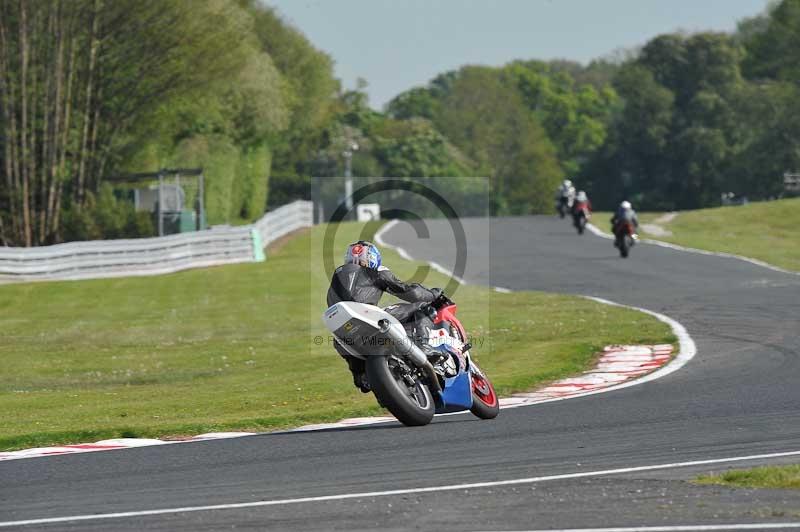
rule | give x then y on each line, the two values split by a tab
457	392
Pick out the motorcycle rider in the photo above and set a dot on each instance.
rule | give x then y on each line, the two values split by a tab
625	213
581	211
363	279
581	201
565	196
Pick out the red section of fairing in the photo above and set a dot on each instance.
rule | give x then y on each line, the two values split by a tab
448	314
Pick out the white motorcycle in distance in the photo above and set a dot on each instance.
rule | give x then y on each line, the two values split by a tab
411	384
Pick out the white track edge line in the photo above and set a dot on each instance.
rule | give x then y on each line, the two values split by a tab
599	232
387	493
686	351
379	235
674	528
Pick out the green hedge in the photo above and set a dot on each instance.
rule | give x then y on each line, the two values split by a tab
251	183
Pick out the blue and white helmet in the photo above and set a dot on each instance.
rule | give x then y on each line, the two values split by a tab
364	254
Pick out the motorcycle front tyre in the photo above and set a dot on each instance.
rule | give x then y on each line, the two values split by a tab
624	246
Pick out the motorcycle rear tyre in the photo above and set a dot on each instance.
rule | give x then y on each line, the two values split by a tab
393	394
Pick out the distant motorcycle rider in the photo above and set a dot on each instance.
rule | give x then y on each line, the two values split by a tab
565	196
363	279
581	202
625	213
581	211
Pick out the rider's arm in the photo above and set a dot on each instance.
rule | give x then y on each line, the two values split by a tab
411	292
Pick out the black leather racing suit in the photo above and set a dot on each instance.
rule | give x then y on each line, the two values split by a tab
352	282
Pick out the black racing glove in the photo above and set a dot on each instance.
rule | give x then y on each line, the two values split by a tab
428	310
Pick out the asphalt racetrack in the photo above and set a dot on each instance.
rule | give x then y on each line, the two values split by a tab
596	461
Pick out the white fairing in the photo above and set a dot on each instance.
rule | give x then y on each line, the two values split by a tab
354	324
339	314
441	336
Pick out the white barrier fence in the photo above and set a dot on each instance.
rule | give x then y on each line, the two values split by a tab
284	220
151	256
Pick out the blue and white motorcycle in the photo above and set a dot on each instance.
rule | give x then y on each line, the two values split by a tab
412	383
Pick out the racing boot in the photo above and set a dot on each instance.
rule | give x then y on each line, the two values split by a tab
357	368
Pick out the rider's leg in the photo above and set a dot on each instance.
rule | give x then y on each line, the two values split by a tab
413	318
416	322
404	312
357	367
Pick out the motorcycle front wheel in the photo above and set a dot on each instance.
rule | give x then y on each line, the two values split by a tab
625	246
485	404
400	391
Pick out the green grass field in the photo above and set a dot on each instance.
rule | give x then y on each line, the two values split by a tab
233	348
768	231
778	477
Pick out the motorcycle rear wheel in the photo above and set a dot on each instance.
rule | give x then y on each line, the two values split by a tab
412	405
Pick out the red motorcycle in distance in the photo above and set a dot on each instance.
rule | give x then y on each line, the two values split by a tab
581	213
624	237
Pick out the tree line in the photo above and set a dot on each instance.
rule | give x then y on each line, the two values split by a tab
705	114
672	125
91	89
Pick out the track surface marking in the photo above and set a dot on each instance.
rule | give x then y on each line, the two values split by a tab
737	397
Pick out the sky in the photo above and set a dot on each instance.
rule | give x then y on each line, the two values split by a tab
399	44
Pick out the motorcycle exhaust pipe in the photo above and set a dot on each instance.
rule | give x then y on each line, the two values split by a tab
409	349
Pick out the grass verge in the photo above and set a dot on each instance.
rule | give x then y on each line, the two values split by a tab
235	348
778	477
768	231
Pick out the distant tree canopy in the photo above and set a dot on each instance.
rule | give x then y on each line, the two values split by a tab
672	125
525	125
489	121
93	88
90	89
675	139
705	114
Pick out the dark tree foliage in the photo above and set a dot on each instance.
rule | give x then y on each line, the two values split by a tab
704	115
772	44
90	89
74	78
